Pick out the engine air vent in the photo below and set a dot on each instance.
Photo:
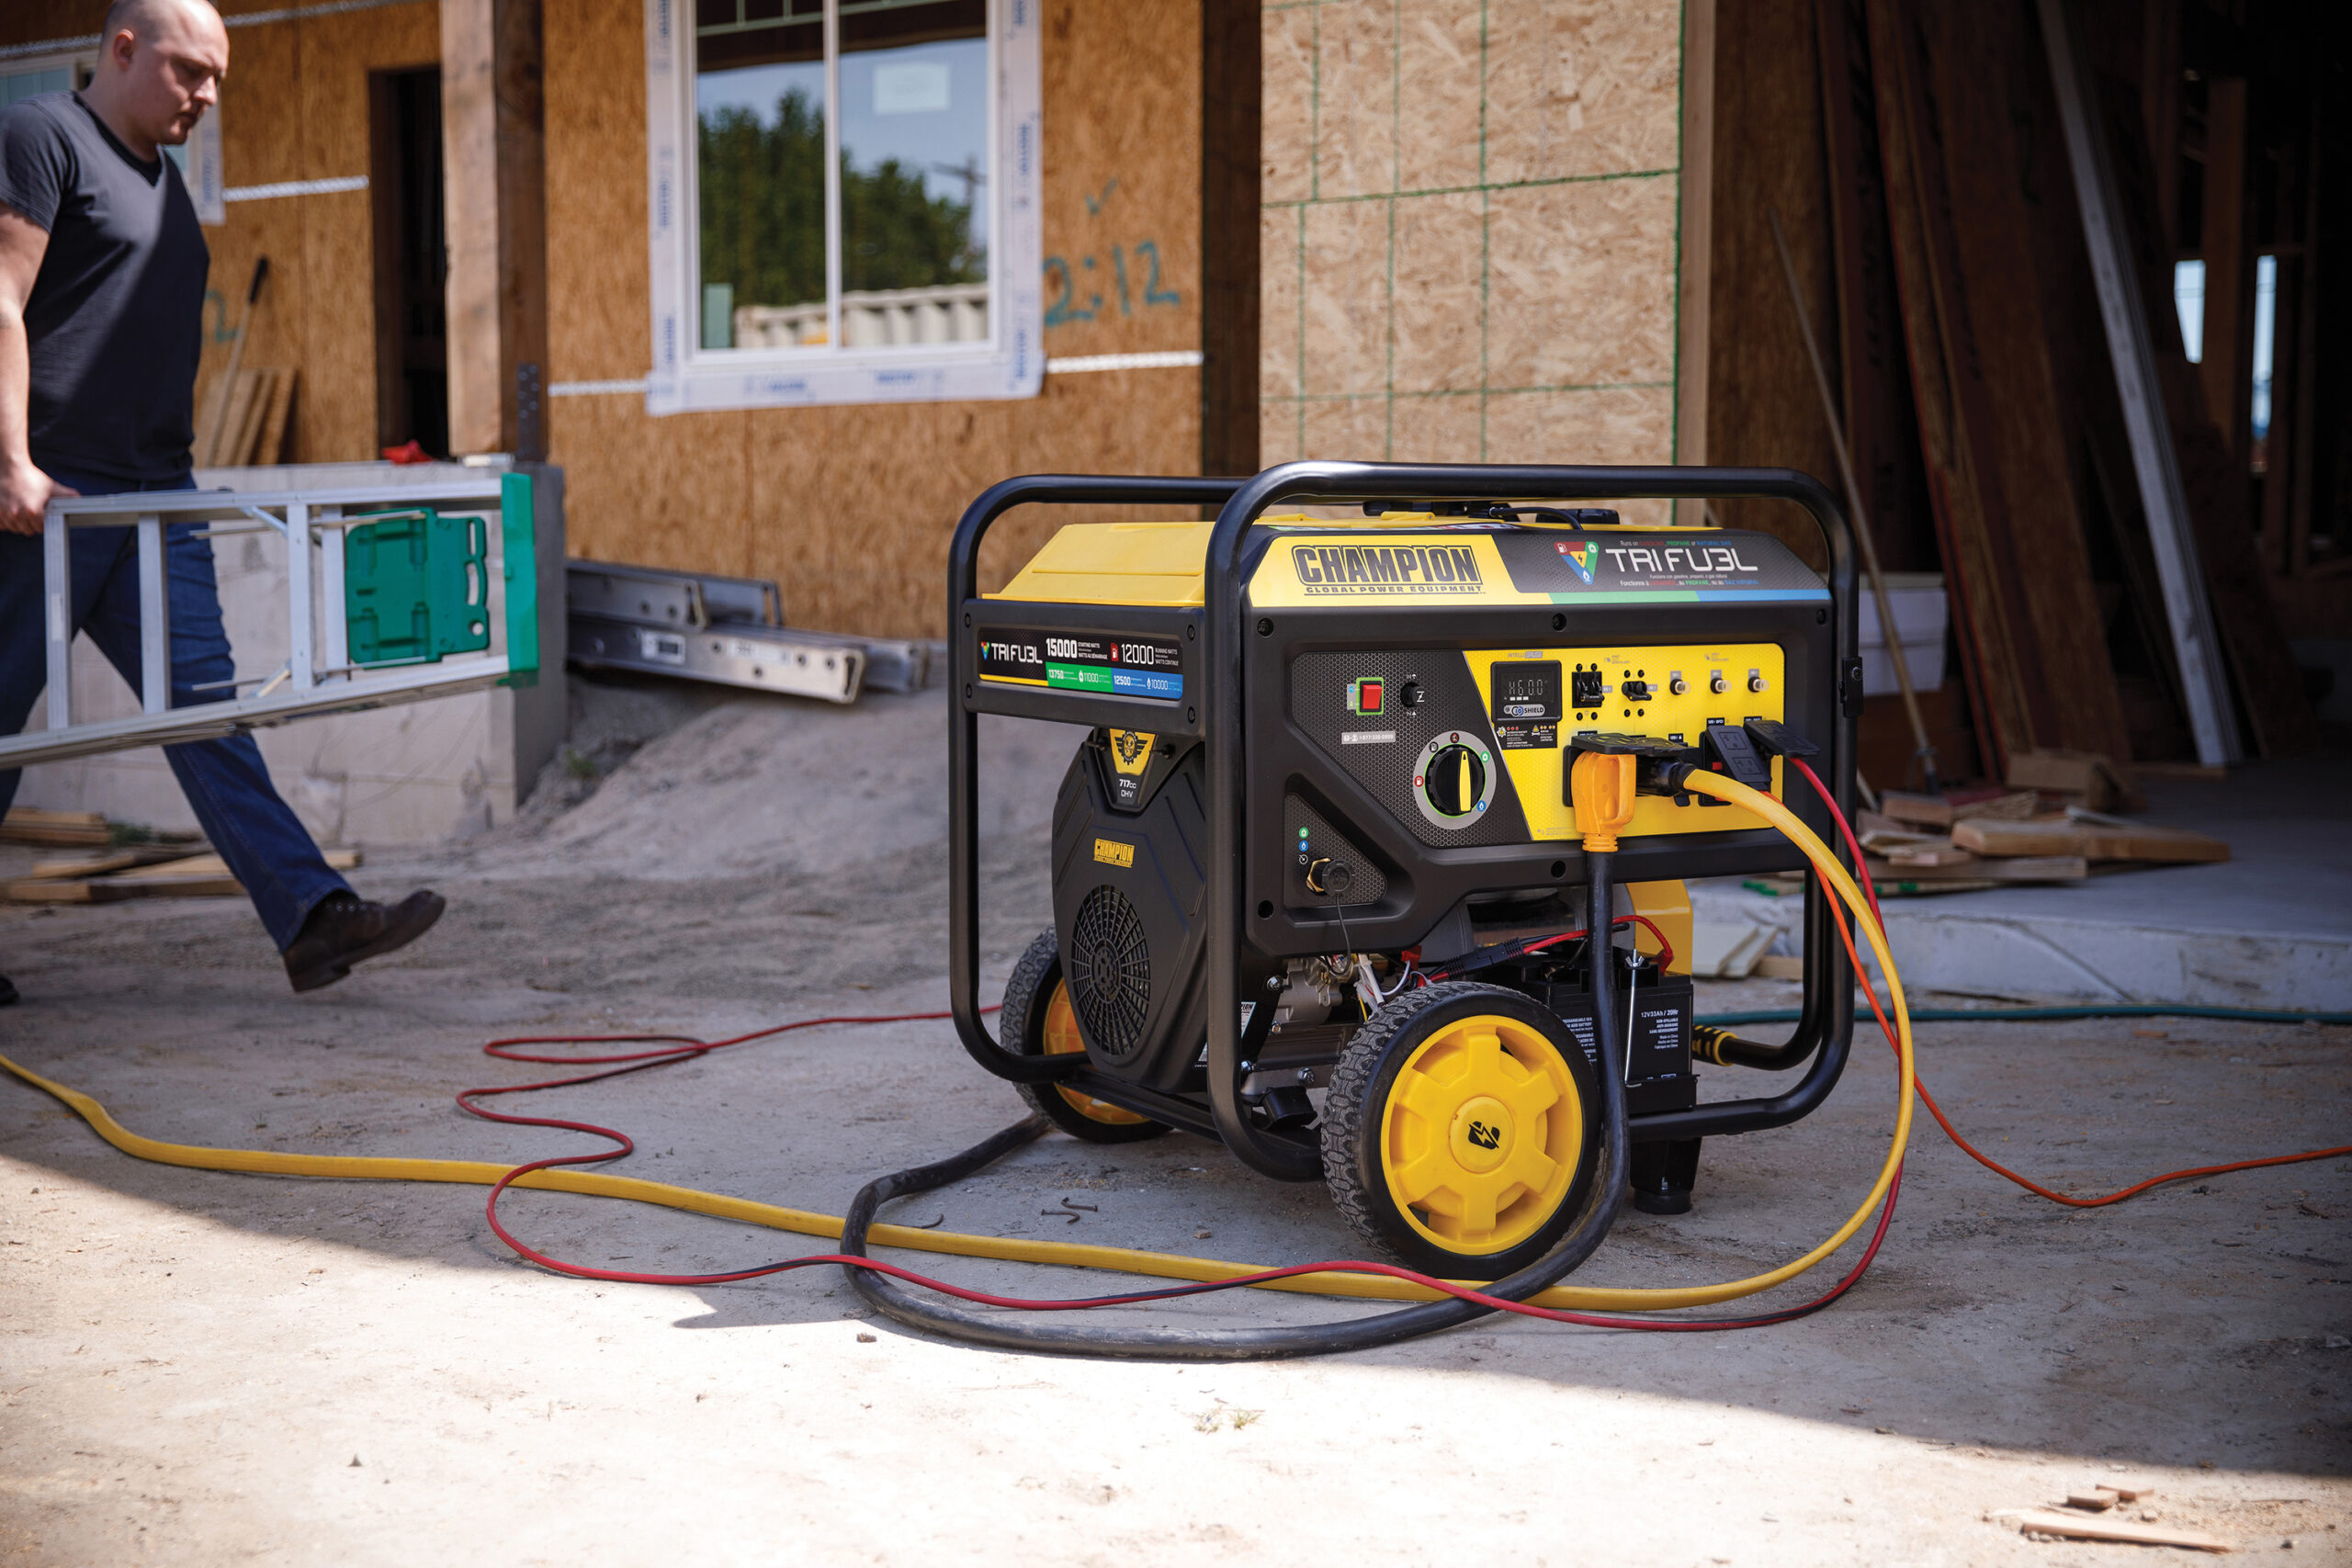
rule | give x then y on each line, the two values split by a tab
1109	964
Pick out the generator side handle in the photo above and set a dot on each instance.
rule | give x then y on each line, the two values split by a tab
1825	1029
964	732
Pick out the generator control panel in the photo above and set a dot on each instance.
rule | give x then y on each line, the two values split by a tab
1481	757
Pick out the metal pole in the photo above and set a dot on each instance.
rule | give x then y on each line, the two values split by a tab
300	662
57	585
154	619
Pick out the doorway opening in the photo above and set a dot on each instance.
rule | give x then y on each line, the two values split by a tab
412	260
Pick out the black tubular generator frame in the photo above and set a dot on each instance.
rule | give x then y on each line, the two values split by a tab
1215	716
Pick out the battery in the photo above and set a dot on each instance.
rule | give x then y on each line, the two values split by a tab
1657	1057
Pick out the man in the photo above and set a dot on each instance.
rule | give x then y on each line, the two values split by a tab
102	275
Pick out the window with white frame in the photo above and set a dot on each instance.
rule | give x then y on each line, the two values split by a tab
845	202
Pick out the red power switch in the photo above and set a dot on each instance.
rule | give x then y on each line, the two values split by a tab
1366	695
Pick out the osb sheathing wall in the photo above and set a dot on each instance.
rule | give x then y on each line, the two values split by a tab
1469	231
295	108
850	508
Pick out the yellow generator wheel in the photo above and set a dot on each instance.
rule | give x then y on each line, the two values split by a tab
1462	1130
1038	1020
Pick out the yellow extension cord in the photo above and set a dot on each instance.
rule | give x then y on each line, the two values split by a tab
1126	1261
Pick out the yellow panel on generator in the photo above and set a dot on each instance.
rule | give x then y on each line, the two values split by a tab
1675	689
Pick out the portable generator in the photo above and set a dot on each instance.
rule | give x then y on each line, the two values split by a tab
1320	890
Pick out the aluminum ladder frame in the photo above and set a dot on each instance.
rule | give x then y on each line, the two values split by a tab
317	676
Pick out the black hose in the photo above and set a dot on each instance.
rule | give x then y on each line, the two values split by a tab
1007	1332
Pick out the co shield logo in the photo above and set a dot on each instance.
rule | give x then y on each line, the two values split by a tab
1583	558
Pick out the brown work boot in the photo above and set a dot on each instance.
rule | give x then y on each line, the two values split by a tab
344	929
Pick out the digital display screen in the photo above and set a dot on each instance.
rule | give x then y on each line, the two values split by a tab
1525	692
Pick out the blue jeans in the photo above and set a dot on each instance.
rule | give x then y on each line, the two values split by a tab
226	782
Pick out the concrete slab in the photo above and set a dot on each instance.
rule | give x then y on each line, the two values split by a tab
206	1369
2271	928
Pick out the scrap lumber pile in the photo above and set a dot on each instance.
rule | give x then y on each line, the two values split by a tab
144	870
122	864
2107	1512
1972	839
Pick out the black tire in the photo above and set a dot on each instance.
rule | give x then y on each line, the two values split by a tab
1502	1128
1030	998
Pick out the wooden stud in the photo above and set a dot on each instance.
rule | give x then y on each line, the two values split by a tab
1231	109
471	223
2226	368
1693	286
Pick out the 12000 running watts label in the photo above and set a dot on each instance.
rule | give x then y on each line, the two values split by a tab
1082	661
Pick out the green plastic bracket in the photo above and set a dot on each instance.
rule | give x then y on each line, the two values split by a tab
415	587
518	539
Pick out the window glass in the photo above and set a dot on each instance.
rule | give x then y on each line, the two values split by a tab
760	171
914	149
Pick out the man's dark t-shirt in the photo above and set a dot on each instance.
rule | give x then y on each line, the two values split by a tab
116	318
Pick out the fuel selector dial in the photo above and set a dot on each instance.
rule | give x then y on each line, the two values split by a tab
1453	780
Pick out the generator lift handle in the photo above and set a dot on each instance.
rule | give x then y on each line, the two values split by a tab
964	730
1824	1030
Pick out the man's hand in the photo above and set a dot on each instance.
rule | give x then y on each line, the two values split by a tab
25	494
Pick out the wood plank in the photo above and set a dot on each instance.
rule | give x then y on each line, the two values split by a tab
247	435
210	865
2088	1527
2261	665
60	829
1232	56
1992	676
271	446
470	196
221	451
1694	283
1973	100
2092	841
1881	423
2018	868
49	890
2190	641
116	860
2227	242
1942	811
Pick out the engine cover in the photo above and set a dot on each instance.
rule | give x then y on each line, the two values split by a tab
1129	885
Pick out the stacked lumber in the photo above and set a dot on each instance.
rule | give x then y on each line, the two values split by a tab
1990	849
55	829
145	871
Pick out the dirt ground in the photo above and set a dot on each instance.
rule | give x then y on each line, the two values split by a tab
206	1369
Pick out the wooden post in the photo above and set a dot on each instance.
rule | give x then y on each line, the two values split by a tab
1231	95
1697	236
494	204
2228	364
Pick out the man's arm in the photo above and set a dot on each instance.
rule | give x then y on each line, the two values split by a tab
25	491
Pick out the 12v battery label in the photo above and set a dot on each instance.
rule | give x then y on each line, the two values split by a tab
1082	661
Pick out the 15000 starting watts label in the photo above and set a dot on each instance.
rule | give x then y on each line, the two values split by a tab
1082	661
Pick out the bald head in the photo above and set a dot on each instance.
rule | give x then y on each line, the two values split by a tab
141	16
161	63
